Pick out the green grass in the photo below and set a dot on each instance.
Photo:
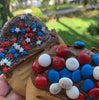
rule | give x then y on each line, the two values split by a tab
74	29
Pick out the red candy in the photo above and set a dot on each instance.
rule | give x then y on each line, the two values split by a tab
94	93
26	48
38	38
41	81
97	84
20	25
30	34
5	70
58	62
83	58
1	50
26	35
36	67
14	40
2	45
10	56
7	43
27	29
81	97
24	43
61	50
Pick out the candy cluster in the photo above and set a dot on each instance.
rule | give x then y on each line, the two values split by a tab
23	34
65	73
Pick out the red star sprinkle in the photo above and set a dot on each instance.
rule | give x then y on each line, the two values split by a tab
26	35
26	48
53	33
10	56
5	70
27	29
14	40
7	43
38	38
20	25
1	50
2	45
24	43
30	34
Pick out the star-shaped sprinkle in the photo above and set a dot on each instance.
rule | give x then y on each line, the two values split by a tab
34	29
28	40
21	49
15	44
5	61
17	30
43	29
5	70
17	47
22	16
9	63
38	42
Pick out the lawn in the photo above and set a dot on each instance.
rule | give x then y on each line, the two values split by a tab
74	29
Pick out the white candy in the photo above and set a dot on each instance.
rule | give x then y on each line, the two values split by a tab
22	16
34	29
5	61
9	63
21	49
28	40
65	83
43	29
72	64
1	62
38	42
73	92
44	60
15	44
54	88
96	73
17	30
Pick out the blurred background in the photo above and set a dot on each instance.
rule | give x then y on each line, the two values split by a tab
74	20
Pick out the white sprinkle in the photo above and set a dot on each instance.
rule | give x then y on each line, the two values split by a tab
5	61
2	62
15	44
38	42
17	30
22	16
28	40
43	29
73	92
34	29
96	73
65	83
9	63
44	60
72	64
21	49
17	47
54	88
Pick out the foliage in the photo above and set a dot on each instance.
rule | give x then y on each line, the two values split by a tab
13	1
65	1
0	15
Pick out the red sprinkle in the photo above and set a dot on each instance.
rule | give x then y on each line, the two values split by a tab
2	45
81	97
14	40
94	93
36	67
1	50
97	84
62	50
26	35
41	81
83	58
26	48
58	62
30	34
20	25
24	43
53	33
7	43
38	38
5	70
10	56
27	29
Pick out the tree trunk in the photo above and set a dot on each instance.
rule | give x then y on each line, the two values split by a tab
85	4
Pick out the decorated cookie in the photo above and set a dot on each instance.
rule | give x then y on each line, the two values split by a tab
73	74
21	39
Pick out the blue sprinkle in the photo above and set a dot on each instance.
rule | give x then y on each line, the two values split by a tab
15	55
2	55
33	26
76	76
96	59
86	70
40	33
53	76
29	14
5	51
0	72
65	73
12	51
79	43
23	31
90	99
40	25
23	53
87	85
12	30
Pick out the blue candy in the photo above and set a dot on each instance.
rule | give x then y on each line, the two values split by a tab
40	33
12	51
33	26
53	76
79	43
76	76
29	14
0	72
86	70
15	55
65	73
40	25
90	99
12	30
23	53
2	55
87	85
96	59
23	31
